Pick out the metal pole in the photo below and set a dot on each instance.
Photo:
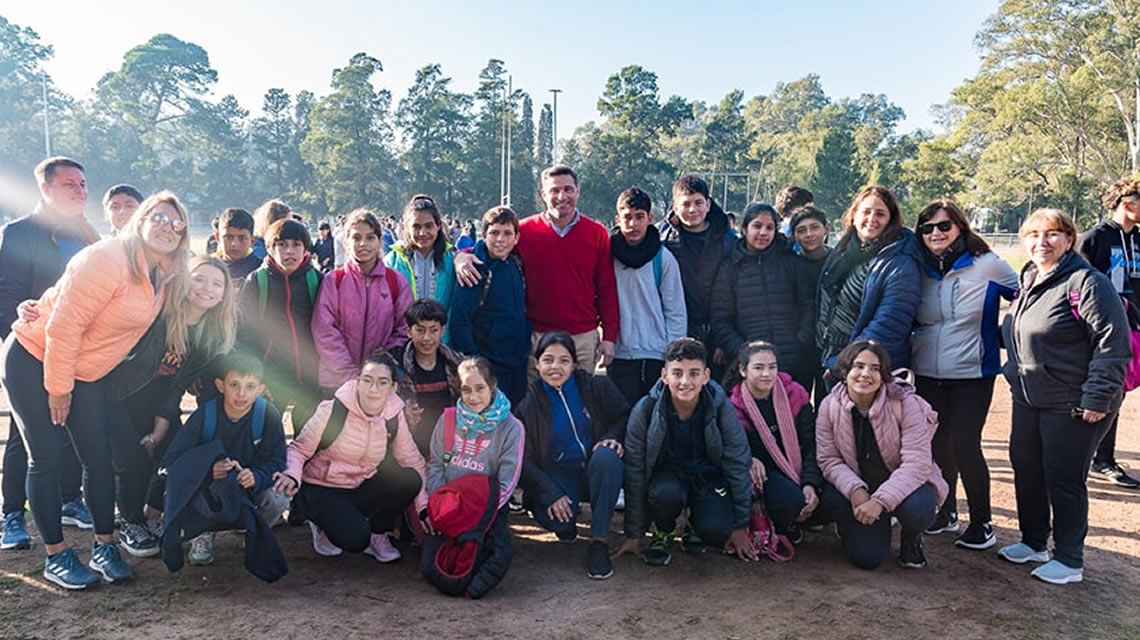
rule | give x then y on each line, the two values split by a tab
554	126
509	113
47	130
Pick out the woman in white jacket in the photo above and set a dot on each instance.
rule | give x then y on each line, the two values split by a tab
956	356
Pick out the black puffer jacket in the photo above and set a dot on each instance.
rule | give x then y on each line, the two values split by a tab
136	377
766	295
605	406
1057	361
698	277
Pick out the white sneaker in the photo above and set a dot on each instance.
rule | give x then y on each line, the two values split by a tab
321	543
381	548
620	504
202	549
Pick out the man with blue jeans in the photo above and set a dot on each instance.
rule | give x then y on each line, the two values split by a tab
34	251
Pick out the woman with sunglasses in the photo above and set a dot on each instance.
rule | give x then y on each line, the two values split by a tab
955	357
55	368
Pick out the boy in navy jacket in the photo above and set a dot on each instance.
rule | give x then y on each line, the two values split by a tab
252	436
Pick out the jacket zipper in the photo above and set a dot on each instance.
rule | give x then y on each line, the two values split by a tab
364	324
573	427
292	328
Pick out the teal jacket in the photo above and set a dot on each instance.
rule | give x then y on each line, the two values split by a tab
399	259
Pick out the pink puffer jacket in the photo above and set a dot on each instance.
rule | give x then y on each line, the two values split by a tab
355	314
361	446
905	448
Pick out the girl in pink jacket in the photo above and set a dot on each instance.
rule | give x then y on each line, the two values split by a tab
356	466
360	306
873	444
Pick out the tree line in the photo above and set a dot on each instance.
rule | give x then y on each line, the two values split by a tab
1050	118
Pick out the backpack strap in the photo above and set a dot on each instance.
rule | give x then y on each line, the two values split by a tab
448	433
334	426
486	288
209	420
657	266
393	284
392	426
338	276
259	418
312	283
514	259
262	289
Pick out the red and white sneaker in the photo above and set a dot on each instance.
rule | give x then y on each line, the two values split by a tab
321	543
382	549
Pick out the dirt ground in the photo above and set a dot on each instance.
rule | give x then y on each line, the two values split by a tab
961	594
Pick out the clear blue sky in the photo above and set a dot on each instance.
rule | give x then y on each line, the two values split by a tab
915	52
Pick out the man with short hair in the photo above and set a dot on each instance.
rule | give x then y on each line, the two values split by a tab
34	251
119	204
570	283
1110	247
235	243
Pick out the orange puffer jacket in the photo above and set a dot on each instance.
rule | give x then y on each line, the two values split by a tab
92	318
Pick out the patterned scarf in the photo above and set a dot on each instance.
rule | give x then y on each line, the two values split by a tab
791	463
485	420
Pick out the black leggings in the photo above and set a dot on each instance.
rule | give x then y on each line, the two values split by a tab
15	479
129	421
349	517
962	406
23	377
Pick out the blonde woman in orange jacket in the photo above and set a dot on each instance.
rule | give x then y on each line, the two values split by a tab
54	369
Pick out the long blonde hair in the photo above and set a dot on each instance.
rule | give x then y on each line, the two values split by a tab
215	332
173	272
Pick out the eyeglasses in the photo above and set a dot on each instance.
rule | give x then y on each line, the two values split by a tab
929	227
159	219
1053	235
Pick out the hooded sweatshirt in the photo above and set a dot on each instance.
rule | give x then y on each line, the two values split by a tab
281	335
651	305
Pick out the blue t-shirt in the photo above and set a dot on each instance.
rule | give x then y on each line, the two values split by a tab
68	247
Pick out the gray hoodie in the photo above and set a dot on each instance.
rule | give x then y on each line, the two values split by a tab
1057	361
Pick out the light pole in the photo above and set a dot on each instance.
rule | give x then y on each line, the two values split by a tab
554	126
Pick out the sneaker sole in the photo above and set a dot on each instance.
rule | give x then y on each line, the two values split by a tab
68	521
950	528
1066	580
1026	560
659	563
200	563
976	546
912	565
71	586
369	552
21	545
599	576
139	553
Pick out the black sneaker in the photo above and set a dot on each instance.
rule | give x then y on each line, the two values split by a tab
658	552
691	542
945	522
978	536
911	555
515	506
794	533
598	565
1115	474
138	541
567	536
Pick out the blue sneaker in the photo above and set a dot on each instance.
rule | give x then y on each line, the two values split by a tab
1057	572
106	560
66	570
1021	553
15	532
75	514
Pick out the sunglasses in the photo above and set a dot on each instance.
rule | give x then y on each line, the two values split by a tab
159	219
423	203
929	227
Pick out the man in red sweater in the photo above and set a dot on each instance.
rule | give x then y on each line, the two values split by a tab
570	283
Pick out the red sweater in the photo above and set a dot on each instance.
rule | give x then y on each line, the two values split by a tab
570	284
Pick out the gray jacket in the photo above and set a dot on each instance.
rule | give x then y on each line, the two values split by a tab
1057	361
725	442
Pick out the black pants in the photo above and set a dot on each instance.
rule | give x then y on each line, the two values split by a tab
1050	453
349	517
868	545
130	420
962	406
710	504
23	377
15	479
1105	451
634	378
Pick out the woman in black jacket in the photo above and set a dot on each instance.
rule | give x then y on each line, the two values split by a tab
575	423
1067	340
763	292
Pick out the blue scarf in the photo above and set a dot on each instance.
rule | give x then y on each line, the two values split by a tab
484	420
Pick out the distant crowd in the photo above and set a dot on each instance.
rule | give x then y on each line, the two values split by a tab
400	385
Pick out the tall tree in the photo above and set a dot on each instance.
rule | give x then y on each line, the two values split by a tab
524	188
349	141
545	153
272	137
434	121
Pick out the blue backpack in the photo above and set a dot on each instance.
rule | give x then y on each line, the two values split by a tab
210	419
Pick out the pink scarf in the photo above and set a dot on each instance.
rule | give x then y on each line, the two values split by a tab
792	463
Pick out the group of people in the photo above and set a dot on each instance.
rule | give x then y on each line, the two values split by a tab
668	365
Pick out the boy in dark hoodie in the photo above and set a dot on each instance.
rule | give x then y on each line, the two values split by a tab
1110	247
489	319
684	447
234	234
276	306
251	434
